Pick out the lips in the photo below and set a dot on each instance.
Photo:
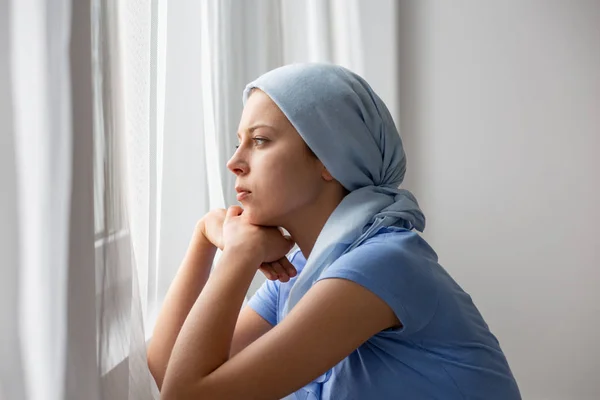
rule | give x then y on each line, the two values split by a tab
242	193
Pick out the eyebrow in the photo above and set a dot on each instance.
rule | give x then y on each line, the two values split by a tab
255	127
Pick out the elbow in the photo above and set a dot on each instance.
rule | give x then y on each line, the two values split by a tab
155	370
168	393
177	388
172	391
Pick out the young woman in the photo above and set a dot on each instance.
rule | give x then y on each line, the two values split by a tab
362	310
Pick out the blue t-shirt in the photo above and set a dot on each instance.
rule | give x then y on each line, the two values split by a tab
444	349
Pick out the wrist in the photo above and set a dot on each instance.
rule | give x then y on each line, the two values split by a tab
248	253
200	237
200	227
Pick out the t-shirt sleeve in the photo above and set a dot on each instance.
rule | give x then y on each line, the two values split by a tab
397	267
265	301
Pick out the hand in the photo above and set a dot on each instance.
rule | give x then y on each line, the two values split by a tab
212	226
281	269
267	243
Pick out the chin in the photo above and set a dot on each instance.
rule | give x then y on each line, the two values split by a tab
260	217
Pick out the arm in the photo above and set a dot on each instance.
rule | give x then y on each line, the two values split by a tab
183	292
308	342
249	327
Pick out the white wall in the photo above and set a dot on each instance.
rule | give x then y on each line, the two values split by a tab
500	111
380	46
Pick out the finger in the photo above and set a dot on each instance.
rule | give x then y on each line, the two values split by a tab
233	211
268	272
280	271
288	266
273	273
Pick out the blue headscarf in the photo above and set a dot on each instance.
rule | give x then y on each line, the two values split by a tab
349	128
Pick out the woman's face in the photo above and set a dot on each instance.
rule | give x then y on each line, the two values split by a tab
274	164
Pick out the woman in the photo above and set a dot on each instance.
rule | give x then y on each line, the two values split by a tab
362	310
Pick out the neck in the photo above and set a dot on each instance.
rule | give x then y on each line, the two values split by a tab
307	224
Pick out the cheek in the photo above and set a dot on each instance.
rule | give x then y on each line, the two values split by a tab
291	182
284	187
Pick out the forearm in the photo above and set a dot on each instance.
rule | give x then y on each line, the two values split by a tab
204	342
183	292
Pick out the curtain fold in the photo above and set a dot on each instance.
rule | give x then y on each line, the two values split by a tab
329	31
81	369
123	145
37	143
182	196
40	88
12	384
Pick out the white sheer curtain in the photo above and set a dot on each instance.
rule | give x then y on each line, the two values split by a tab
122	85
46	228
11	368
326	31
212	49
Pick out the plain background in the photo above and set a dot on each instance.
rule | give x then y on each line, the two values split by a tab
499	110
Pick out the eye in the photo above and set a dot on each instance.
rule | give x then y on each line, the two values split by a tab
257	140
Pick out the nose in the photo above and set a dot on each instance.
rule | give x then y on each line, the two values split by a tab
237	164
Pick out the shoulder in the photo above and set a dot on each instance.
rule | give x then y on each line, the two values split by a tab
398	266
402	240
391	247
